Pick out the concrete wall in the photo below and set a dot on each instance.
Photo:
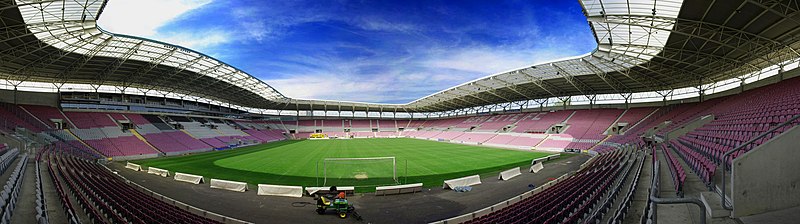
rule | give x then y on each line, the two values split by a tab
766	178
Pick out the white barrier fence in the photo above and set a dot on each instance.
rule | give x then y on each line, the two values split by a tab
133	166
398	189
229	185
510	173
157	171
280	190
189	178
546	158
537	167
325	190
461	182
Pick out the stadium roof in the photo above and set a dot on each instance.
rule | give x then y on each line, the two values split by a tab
643	46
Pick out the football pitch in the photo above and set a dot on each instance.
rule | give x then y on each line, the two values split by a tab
302	163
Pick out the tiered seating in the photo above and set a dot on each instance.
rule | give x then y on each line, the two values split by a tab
556	141
701	165
41	203
332	125
156	121
175	141
562	202
359	125
473	137
216	143
497	122
99	192
442	124
540	122
384	125
385	134
689	112
415	124
11	190
527	140
45	113
591	124
449	135
634	115
363	134
676	171
121	146
266	135
501	140
12	117
302	135
470	122
422	134
86	120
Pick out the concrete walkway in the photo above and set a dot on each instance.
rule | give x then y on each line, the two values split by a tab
431	205
55	211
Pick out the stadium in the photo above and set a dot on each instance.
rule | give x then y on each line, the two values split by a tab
683	112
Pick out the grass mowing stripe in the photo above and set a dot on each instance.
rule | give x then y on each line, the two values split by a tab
295	162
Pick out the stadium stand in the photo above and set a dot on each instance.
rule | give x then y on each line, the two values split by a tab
541	122
560	203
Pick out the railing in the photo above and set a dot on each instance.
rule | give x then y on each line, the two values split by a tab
727	165
655	200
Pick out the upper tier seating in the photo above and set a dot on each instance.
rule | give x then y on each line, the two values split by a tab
85	120
591	124
497	122
634	115
540	122
45	114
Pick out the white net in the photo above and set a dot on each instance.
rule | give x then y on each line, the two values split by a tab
373	171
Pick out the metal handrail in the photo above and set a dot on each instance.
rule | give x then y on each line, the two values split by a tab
740	147
656	200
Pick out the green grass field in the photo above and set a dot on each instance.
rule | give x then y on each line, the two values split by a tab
297	162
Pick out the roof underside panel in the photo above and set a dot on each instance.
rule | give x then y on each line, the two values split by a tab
642	46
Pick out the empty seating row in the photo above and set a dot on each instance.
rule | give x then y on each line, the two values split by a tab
677	172
115	199
10	193
562	202
701	165
41	204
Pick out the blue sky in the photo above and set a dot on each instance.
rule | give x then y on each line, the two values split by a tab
368	51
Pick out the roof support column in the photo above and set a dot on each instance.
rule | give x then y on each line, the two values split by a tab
541	103
664	94
564	101
592	100
627	97
15	84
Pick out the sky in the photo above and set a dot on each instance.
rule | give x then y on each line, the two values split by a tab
388	51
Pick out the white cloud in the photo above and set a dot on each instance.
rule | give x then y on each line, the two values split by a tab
431	69
144	17
197	40
489	60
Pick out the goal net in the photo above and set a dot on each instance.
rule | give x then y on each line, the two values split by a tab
372	171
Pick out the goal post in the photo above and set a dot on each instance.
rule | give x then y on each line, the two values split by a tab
369	171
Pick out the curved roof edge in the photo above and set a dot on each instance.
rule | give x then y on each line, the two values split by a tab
632	38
